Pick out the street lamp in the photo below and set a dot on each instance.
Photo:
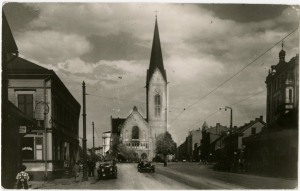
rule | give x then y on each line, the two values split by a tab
230	129
45	132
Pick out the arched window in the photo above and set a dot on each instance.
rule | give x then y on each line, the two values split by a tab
157	100
135	132
157	105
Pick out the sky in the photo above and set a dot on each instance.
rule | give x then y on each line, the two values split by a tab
209	51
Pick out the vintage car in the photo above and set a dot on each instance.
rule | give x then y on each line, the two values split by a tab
146	166
107	169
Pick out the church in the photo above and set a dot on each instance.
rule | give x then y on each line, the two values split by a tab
136	131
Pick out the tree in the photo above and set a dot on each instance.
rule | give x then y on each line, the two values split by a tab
165	144
126	153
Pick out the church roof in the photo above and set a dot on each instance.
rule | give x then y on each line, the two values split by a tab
116	122
156	59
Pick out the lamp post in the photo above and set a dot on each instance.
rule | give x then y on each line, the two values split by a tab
230	129
84	178
46	111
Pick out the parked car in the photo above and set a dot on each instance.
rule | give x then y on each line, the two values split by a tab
107	169
146	166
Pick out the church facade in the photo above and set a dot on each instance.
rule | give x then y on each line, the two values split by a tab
135	131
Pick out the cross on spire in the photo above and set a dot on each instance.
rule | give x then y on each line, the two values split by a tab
282	45
156	13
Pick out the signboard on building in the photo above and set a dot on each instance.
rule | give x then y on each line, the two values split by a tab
22	129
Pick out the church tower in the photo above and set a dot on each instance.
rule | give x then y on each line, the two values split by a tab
156	87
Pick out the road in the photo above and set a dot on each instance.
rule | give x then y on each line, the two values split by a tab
180	176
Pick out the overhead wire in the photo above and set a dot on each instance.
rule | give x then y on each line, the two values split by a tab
235	74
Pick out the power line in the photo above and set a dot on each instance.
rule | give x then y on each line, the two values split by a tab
218	110
238	72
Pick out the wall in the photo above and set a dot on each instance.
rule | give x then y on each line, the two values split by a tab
158	124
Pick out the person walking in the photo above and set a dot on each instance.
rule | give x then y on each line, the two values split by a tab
92	168
76	171
22	178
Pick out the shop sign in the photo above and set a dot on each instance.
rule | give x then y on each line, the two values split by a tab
22	129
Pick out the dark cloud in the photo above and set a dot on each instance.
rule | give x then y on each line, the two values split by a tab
116	47
19	15
245	12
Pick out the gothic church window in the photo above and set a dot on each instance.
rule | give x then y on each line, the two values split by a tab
157	105
135	132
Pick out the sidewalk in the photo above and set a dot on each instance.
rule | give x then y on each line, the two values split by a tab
63	183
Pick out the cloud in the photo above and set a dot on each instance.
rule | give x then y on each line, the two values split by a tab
51	46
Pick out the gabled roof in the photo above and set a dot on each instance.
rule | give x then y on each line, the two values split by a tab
250	124
120	121
156	59
22	64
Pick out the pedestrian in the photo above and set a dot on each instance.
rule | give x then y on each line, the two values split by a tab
88	164
22	178
76	171
92	168
242	165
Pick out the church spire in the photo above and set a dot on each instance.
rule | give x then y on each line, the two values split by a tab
156	59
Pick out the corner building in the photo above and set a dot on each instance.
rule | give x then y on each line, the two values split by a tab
135	131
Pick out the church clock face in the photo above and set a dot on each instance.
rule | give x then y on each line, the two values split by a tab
157	91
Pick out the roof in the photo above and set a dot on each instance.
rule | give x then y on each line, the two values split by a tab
8	41
115	123
248	125
156	59
25	65
20	66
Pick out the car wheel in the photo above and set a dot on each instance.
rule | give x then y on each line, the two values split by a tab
116	176
153	170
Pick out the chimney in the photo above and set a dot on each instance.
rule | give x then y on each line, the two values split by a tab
256	119
261	118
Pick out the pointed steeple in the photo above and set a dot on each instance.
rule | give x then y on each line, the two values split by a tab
204	126
156	59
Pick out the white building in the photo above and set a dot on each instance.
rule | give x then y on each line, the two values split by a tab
106	137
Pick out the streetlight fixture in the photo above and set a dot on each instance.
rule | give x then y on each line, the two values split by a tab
230	129
45	132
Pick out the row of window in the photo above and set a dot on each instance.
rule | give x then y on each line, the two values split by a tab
60	114
32	149
136	145
63	116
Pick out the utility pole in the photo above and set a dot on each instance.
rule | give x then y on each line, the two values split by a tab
93	136
84	177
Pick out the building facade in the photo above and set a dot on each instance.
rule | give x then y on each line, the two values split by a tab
106	138
52	146
282	87
274	151
135	131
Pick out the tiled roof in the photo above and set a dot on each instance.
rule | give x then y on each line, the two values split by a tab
156	59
